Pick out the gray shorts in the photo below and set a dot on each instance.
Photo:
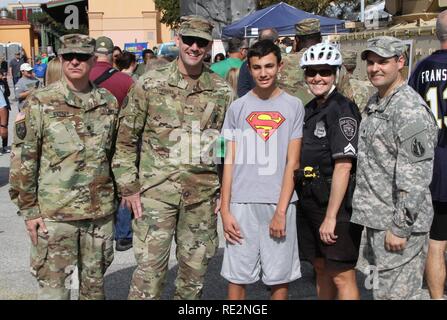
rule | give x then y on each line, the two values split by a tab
277	259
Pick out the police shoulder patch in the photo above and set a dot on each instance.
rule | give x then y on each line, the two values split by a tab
348	127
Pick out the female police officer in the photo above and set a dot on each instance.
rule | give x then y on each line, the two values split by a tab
326	237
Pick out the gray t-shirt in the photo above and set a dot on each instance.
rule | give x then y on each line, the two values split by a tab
262	130
25	84
15	66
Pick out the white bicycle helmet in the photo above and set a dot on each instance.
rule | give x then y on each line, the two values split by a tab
321	53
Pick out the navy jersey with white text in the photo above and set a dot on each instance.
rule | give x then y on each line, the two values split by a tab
430	81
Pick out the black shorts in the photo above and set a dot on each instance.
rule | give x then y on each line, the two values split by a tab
438	229
344	253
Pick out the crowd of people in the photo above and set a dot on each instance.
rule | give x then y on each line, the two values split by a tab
302	161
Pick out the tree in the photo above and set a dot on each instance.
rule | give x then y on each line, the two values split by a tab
314	6
335	9
170	10
42	18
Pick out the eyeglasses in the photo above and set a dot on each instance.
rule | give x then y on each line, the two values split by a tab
189	40
81	57
322	72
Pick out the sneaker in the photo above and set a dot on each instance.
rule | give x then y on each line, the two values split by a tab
123	244
6	150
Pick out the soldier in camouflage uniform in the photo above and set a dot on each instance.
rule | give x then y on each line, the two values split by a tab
395	161
291	77
61	177
176	111
350	86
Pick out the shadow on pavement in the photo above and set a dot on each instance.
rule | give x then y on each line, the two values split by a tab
4	176
215	287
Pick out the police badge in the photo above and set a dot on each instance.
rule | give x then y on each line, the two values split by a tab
320	130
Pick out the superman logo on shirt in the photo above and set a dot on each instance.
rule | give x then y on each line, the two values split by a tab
265	123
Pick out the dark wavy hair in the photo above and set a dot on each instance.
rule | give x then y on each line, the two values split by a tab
262	48
125	60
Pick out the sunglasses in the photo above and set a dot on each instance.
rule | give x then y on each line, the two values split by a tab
81	57
322	72
189	40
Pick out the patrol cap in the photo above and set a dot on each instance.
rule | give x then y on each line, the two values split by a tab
104	45
349	57
307	26
196	26
384	46
76	43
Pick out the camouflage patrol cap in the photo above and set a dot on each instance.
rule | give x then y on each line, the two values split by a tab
384	46
76	43
307	26
104	45
196	26
349	57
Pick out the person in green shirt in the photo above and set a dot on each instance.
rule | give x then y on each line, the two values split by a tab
237	52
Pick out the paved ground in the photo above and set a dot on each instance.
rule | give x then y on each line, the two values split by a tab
17	283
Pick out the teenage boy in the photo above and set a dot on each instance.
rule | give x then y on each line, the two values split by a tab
263	130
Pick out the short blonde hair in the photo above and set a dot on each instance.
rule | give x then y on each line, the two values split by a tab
232	78
54	71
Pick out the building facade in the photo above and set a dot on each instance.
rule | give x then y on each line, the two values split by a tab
22	11
127	21
14	34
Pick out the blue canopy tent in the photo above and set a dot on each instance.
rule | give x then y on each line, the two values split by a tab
283	18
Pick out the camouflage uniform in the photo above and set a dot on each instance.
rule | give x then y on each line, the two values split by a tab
291	77
350	86
395	161
60	172
176	193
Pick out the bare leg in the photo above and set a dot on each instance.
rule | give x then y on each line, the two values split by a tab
326	289
236	291
435	272
346	284
280	292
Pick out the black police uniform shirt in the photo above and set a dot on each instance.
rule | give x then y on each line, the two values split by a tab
429	79
330	132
